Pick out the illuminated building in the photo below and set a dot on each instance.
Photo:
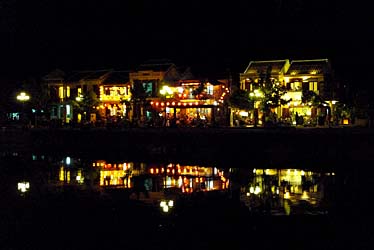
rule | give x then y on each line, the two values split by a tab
297	76
176	95
84	95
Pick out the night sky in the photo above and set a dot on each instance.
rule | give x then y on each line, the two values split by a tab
38	36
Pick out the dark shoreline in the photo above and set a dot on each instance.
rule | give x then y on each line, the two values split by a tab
222	146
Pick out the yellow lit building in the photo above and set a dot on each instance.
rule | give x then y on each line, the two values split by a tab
104	91
296	75
177	96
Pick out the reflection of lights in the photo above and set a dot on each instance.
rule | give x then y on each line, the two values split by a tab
171	203
257	190
23	97
286	195
68	160
23	186
166	205
304	196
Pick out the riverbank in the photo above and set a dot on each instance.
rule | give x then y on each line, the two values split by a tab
226	146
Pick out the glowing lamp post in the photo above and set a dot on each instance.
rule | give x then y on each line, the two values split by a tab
23	97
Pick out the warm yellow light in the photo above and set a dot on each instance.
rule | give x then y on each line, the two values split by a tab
23	186
162	203
286	195
23	97
165	209
345	121
171	203
305	196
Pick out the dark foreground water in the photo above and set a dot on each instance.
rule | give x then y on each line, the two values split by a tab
61	202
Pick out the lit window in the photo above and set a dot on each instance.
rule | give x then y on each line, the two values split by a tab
210	89
67	91
313	86
79	91
61	92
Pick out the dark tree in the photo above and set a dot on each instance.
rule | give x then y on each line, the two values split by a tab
240	99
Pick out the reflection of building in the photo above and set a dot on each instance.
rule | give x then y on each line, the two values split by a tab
297	76
159	178
286	188
114	174
188	179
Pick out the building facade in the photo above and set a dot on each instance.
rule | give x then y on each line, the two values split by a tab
309	85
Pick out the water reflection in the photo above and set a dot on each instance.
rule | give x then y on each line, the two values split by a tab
287	191
155	177
272	191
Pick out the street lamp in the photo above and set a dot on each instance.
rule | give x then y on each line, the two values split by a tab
23	97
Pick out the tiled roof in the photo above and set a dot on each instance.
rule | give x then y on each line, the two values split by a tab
98	74
156	65
56	74
116	77
87	75
255	67
316	66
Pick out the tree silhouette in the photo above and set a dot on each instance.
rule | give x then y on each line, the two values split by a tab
272	91
87	104
240	99
138	99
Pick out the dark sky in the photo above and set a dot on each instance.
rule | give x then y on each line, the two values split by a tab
38	36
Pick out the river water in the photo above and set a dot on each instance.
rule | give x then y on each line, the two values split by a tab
66	202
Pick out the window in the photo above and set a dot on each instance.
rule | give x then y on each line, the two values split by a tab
296	85
313	86
61	92
68	91
148	88
210	89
